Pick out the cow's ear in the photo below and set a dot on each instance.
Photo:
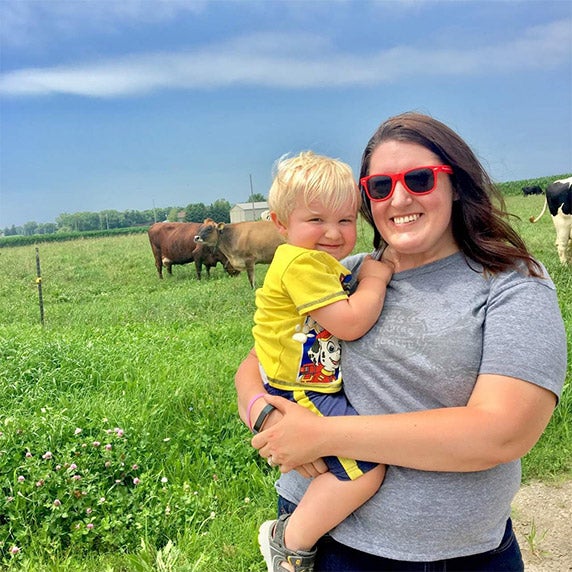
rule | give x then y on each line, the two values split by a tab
220	226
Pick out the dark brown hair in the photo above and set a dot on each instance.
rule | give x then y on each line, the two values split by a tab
479	217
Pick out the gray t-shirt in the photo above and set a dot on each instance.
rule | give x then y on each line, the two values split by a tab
441	326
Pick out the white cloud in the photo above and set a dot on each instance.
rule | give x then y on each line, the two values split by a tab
24	21
288	61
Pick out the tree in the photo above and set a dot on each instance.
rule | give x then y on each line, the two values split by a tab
256	198
30	228
12	231
47	228
220	210
196	212
65	222
172	216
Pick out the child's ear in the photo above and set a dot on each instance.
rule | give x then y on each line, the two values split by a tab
278	224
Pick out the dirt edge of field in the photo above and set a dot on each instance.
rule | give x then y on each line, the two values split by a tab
542	519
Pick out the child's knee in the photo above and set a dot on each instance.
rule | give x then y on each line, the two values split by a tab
377	476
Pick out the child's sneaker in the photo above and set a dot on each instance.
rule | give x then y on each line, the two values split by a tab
271	541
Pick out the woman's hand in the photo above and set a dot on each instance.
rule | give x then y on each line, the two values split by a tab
307	470
291	442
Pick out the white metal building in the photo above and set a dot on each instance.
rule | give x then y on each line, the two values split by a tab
241	212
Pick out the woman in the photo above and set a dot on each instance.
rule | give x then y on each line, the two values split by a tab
454	383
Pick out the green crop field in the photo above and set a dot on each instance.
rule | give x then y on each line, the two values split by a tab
120	443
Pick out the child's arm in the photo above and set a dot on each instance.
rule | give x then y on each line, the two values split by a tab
352	318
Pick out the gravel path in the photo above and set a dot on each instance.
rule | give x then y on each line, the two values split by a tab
542	518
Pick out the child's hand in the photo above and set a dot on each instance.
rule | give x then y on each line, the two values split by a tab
375	269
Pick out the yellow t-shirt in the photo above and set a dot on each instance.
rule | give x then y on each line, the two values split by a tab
295	351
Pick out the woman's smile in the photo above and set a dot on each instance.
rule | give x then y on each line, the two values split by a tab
399	220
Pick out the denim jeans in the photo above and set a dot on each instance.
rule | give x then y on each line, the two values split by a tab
336	557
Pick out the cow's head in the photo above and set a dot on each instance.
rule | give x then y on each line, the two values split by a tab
208	232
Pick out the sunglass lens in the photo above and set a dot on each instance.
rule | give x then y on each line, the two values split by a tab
420	180
379	187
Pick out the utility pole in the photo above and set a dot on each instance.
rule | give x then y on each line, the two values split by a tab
252	196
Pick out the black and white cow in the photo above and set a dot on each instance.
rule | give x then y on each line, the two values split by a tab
532	190
559	202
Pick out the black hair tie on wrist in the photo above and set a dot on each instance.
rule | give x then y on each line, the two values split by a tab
268	409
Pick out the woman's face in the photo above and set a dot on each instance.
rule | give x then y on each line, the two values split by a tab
417	228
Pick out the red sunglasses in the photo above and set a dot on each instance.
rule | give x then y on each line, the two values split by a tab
418	181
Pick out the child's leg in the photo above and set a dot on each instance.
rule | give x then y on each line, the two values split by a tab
326	503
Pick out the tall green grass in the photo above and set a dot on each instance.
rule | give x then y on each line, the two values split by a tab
129	388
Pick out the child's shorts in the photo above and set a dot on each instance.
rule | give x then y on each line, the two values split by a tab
329	405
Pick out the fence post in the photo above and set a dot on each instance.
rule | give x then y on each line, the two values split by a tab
39	283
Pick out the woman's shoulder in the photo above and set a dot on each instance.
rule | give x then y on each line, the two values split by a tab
353	262
520	277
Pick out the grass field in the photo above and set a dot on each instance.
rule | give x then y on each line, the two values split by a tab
120	444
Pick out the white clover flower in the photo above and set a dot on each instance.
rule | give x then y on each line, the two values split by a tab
164	480
21	478
47	455
14	550
136	481
57	502
77	431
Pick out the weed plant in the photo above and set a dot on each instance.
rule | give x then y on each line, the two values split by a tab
120	444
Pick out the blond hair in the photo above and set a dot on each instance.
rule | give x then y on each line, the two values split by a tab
314	178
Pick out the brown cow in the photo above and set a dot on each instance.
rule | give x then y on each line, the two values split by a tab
173	243
243	243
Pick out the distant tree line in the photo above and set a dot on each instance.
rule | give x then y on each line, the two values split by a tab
111	219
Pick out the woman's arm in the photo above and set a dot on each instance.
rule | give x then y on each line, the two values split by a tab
503	419
248	385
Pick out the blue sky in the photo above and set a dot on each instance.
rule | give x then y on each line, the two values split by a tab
127	104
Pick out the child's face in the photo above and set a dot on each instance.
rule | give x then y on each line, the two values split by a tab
316	227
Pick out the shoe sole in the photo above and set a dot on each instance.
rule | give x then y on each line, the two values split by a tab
264	543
